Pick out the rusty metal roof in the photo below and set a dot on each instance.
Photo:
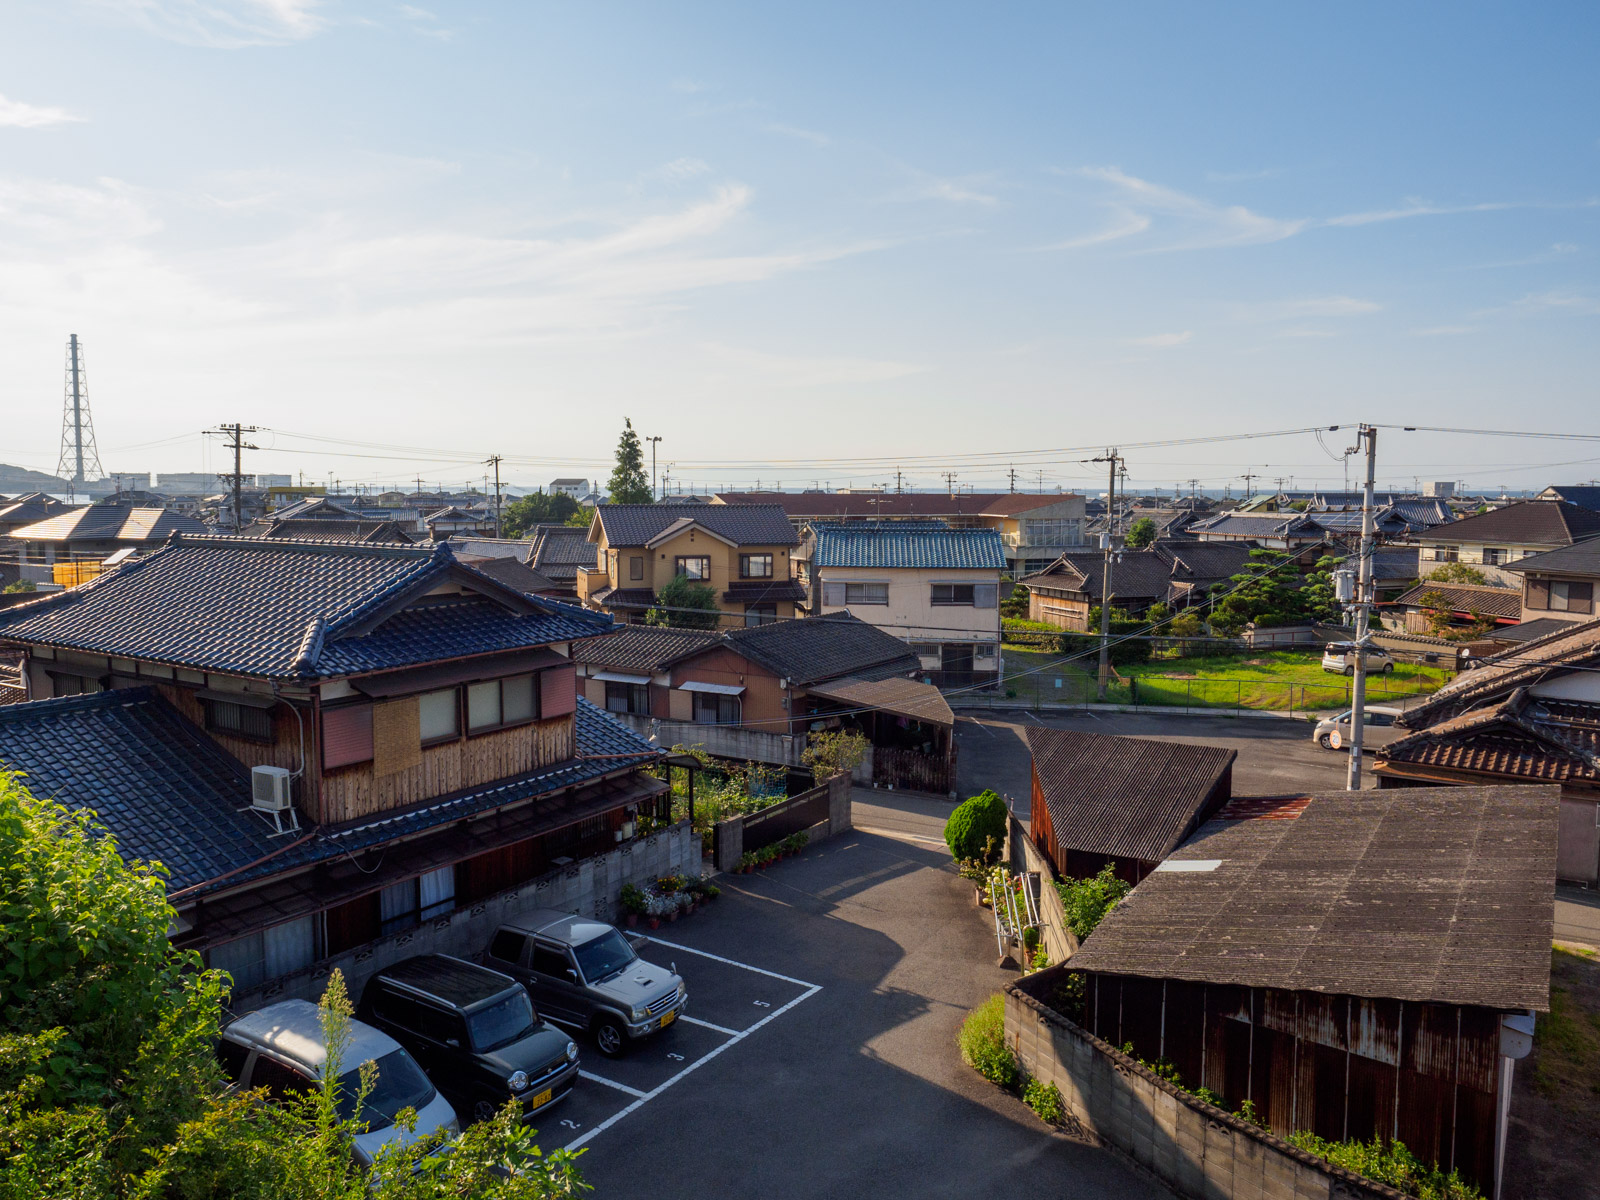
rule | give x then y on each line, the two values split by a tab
903	697
1130	798
1441	895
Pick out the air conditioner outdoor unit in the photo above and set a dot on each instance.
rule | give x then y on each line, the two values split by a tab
270	794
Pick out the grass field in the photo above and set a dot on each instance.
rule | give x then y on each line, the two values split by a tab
1275	679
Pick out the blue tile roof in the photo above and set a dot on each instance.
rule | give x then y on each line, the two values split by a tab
906	544
164	790
287	609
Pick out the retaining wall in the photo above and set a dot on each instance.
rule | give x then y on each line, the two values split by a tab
1059	942
728	840
590	887
1195	1148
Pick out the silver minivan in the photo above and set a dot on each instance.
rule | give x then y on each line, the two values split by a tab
1340	658
280	1048
1333	733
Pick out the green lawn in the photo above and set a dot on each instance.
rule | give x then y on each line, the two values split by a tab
1275	679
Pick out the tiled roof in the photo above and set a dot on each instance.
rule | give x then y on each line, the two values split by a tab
466	544
331	529
319	507
1424	513
624	597
29	509
641	648
1130	798
748	591
820	648
1580	558
1574	646
1439	895
1010	504
109	522
1201	563
1529	631
1258	525
742	524
1585	497
284	609
1468	598
1524	738
1529	523
891	545
559	550
514	574
1141	575
885	506
164	790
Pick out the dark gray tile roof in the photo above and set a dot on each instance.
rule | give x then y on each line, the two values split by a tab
1586	497
1438	895
163	789
1202	563
743	524
1141	575
1580	558
559	550
624	597
1126	797
109	522
313	507
641	648
319	529
1528	631
286	609
1467	598
749	591
513	573
465	544
1571	647
887	506
1523	739
820	648
890	545
903	697
1531	523
1258	525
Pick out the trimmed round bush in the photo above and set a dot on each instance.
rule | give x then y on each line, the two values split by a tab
975	821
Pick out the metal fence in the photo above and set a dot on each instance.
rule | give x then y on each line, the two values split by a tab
1220	694
773	824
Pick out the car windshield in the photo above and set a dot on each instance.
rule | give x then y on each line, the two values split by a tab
503	1023
608	955
397	1083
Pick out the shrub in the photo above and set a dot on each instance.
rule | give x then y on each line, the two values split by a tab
835	752
977	828
983	1043
1390	1163
1087	901
1045	1100
634	900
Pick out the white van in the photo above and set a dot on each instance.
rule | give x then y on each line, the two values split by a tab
1340	658
1333	733
280	1048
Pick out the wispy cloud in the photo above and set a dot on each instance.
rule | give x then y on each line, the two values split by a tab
782	370
1243	176
1443	331
1414	208
957	191
805	135
1163	339
1559	301
1141	206
1307	331
680	170
223	24
14	114
426	23
689	87
1302	308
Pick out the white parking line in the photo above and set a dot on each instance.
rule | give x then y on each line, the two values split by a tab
688	1020
812	990
621	1087
733	963
899	836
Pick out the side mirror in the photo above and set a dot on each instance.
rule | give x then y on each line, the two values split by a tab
572	975
453	1043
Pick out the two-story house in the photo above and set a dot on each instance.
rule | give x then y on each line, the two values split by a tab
935	587
89	535
1559	587
329	744
741	551
1490	541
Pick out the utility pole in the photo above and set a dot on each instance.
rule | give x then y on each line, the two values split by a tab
1107	549
1247	477
1041	482
1363	607
235	433
494	461
1013	475
653	441
897	481
949	478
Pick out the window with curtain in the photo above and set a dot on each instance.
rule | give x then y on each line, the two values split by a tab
346	735
855	593
240	720
694	566
755	566
266	954
438	715
713	709
628	697
497	703
946	595
407	904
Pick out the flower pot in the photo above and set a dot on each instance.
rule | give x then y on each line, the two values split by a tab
673	915
655	923
633	920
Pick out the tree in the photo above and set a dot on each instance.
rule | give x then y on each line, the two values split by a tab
977	828
629	484
1128	645
1264	592
1087	901
1458	572
20	585
109	1087
834	752
1439	615
685	604
1140	534
537	508
581	518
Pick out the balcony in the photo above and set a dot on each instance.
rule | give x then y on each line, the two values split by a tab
591	580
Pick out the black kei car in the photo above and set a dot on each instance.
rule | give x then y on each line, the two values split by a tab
474	1031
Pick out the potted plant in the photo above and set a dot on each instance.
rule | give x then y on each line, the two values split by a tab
635	903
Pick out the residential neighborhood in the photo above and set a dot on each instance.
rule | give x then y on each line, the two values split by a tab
802	602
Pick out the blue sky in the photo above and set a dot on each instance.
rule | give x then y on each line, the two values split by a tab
885	233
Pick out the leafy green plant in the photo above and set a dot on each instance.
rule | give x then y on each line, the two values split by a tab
1209	1097
1390	1163
1030	938
634	900
681	603
1247	1112
1087	901
1041	959
983	1043
977	828
834	752
1046	1100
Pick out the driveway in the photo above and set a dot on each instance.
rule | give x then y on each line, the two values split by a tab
845	973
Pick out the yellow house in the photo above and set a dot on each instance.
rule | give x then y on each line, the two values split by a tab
743	552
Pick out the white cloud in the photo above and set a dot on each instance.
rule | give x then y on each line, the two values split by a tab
15	114
1442	331
1163	339
690	87
679	170
805	135
1570	302
223	24
1304	307
1307	331
1414	208
957	192
782	370
1182	221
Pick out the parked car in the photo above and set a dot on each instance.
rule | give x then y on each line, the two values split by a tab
1333	733
476	1033
1340	657
280	1048
585	975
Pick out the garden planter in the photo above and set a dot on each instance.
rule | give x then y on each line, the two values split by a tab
654	923
672	916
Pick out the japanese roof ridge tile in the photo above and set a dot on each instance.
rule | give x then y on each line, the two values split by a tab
436	560
304	545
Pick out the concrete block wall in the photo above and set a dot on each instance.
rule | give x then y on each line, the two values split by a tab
1198	1150
590	886
1059	942
730	833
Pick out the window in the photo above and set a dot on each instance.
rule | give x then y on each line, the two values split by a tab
258	957
1066	531
547	961
926	650
1446	553
507	946
440	1025
1571	596
241	720
74	685
346	735
855	593
509	1020
439	716
760	614
408	904
279	1079
401	1010
984	654
755	566
694	568
232	1057
497	703
636	566
628	698
710	708
946	595
1493	556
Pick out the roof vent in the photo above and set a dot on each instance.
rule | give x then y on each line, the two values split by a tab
270	796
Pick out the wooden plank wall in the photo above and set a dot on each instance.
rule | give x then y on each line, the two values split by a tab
358	791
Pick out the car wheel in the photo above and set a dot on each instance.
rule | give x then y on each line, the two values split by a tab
1388	668
610	1037
1322	740
1350	670
484	1110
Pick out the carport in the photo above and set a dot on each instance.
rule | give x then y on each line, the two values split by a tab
909	724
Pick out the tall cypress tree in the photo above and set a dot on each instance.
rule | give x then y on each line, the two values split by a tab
629	484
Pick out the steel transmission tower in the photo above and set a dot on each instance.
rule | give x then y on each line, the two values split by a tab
80	460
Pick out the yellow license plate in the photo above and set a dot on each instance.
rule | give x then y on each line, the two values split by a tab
540	1100
668	1019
